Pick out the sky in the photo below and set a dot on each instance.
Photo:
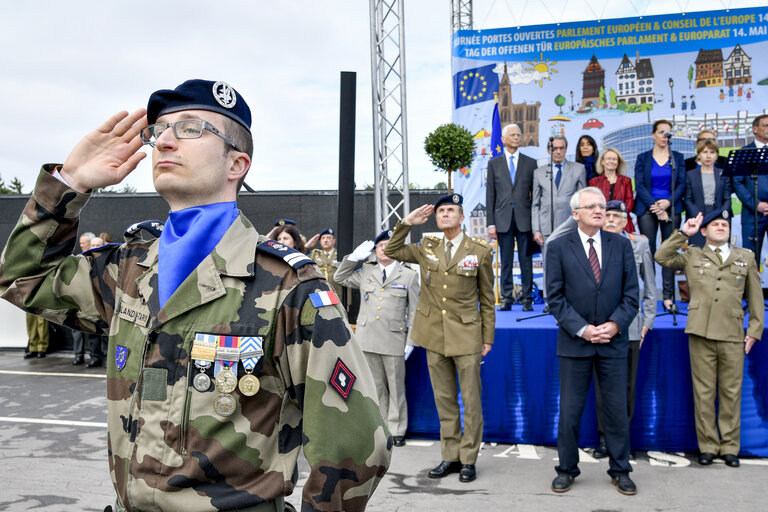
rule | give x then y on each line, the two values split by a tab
68	66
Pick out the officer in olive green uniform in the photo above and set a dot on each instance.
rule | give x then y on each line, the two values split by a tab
389	292
327	258
718	277
449	325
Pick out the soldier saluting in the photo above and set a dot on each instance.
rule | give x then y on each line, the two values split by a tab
456	275
718	277
228	352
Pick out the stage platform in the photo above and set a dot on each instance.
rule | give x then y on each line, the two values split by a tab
521	389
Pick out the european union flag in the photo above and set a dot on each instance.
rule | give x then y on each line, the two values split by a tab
475	85
497	147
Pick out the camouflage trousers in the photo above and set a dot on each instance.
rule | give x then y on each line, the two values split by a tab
276	505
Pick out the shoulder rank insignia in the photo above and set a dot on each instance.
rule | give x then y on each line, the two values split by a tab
342	379
291	256
480	241
326	298
153	227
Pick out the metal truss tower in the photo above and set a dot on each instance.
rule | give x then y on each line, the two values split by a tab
390	134
461	15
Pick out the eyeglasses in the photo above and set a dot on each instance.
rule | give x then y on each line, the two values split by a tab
592	206
184	129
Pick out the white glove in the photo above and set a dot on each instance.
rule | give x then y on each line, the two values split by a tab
362	251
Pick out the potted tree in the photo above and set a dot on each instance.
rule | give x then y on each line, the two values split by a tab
450	147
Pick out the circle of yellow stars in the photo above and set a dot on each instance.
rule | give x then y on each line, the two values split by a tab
467	77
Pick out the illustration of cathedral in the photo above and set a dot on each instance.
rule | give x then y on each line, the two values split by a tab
525	115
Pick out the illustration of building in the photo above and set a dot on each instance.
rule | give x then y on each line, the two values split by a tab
594	79
709	68
634	81
737	68
524	115
477	222
630	141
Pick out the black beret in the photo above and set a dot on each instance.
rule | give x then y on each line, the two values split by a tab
328	231
384	235
283	222
449	199
616	206
197	94
722	213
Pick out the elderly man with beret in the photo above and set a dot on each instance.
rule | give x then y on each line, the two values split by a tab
228	352
455	323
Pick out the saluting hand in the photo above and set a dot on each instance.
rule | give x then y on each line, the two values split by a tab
108	154
420	215
691	226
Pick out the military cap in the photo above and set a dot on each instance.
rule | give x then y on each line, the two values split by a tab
198	94
722	213
616	206
283	222
384	235
449	199
328	231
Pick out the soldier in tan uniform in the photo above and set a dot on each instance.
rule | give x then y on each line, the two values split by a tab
389	292
326	257
718	277
450	326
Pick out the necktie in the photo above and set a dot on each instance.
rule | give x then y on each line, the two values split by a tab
719	256
448	247
593	261
558	175
383	275
512	169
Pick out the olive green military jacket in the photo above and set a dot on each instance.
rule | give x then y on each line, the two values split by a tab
168	449
717	289
448	320
328	265
386	308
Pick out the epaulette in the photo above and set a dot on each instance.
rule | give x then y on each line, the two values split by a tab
153	227
480	241
432	239
291	256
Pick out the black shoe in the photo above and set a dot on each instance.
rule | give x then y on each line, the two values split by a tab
40	355
631	455
467	473
527	306
545	311
624	484
444	469
30	355
94	363
78	360
562	483
398	440
505	306
705	459
731	460
600	452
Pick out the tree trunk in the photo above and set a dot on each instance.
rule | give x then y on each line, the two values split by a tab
450	187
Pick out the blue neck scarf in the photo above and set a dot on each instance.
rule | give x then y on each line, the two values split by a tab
589	165
189	236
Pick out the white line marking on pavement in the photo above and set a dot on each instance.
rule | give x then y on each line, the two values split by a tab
55	374
53	422
414	442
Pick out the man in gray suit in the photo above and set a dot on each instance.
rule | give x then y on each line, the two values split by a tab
508	195
389	292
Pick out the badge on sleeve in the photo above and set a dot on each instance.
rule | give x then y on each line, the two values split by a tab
327	298
121	356
342	379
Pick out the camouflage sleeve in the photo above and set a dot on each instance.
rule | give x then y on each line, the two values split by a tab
344	438
38	272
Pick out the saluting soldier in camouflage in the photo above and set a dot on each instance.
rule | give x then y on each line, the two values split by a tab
389	292
719	277
175	443
449	326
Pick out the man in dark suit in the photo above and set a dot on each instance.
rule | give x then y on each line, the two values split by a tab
745	189
508	199
593	293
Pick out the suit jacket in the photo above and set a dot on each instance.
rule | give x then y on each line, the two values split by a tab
576	299
447	319
694	192
502	197
643	197
744	188
387	307
715	311
574	177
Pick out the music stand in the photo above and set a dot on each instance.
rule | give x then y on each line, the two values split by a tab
751	163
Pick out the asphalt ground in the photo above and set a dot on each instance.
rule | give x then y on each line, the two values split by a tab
53	458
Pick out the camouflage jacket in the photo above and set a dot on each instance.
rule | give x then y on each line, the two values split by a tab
168	449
